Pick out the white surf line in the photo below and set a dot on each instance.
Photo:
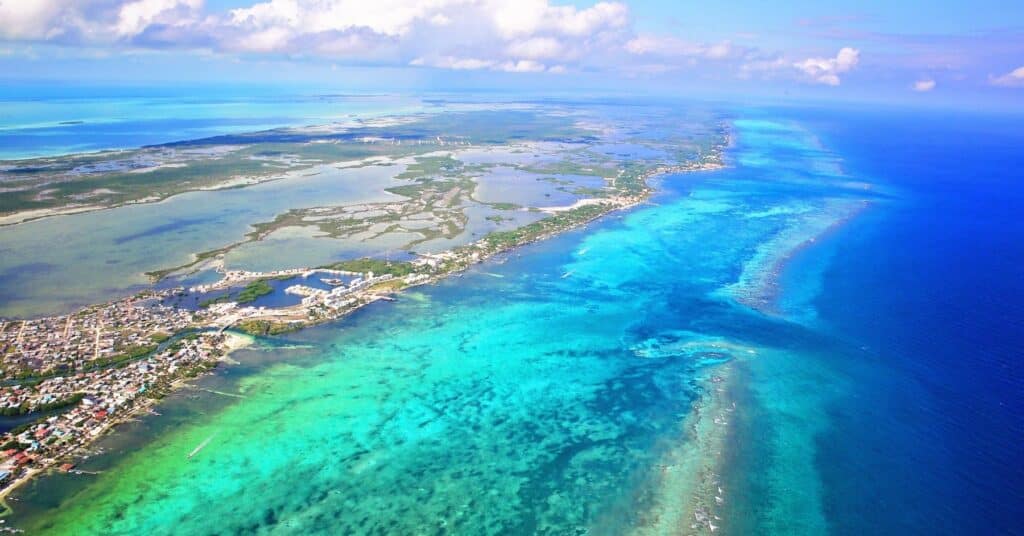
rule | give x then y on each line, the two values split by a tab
285	347
200	447
221	393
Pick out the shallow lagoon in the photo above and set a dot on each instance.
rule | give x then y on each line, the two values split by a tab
303	247
31	125
61	263
509	185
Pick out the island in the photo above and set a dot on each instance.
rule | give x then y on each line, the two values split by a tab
458	189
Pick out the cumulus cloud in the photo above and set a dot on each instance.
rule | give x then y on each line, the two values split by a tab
134	17
1014	78
827	70
28	20
528	17
923	86
669	53
523	66
392	18
537	48
92	21
452	34
817	70
521	36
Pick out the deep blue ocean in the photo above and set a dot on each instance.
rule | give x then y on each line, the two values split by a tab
931	286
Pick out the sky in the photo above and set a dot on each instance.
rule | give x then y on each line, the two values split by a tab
896	50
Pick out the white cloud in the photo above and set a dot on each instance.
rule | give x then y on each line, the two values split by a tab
717	60
266	40
384	17
440	19
1014	78
827	70
527	17
451	62
924	86
672	46
91	22
29	20
473	64
522	66
134	17
513	36
521	36
537	48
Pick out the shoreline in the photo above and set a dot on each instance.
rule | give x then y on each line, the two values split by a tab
25	216
29	215
36	214
461	258
232	342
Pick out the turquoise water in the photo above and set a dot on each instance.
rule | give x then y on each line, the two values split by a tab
588	384
49	120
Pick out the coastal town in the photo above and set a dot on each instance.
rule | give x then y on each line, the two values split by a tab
66	380
73	377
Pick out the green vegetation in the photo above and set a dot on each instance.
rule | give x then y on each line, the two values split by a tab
632	179
426	166
49	406
69	180
554	180
254	290
217	299
506	239
157	275
159	337
390	285
197	369
377	266
249	294
130	354
568	167
264	327
14	443
583	191
180	343
32	377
